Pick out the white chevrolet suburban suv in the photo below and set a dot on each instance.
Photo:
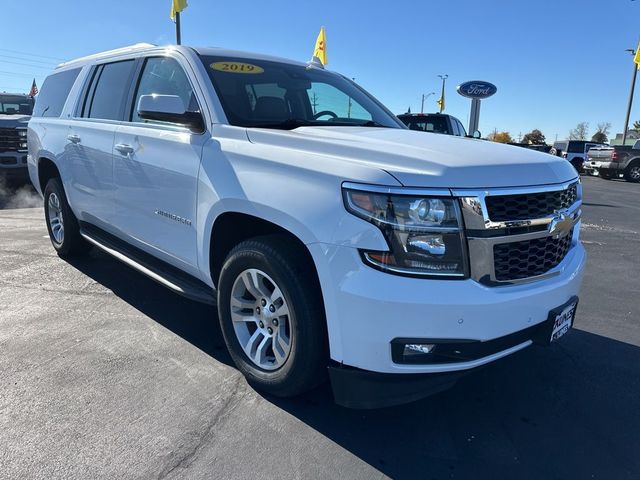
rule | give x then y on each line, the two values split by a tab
330	236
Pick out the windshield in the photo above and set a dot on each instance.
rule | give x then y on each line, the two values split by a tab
258	93
15	104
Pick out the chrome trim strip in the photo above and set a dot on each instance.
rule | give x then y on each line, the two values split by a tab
476	216
432	192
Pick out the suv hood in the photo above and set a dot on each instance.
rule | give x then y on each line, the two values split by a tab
419	159
13	121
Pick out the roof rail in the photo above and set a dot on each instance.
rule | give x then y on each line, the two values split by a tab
116	51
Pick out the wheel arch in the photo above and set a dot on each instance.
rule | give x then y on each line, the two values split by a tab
233	227
47	169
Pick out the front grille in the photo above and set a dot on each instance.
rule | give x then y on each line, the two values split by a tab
527	206
10	140
518	260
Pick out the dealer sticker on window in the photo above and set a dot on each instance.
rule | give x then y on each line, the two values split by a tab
236	67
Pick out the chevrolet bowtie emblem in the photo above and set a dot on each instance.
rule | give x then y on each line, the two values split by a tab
561	224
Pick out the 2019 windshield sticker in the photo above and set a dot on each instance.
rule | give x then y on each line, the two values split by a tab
236	67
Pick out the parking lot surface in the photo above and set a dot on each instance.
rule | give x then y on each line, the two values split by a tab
105	374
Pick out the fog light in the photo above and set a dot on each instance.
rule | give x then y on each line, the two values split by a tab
417	348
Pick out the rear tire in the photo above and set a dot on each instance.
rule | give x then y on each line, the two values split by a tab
64	231
272	316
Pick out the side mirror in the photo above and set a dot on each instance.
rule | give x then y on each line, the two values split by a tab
169	108
477	134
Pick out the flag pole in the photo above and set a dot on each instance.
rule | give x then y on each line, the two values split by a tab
630	103
178	36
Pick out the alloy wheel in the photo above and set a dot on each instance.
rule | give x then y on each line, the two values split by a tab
261	319
56	220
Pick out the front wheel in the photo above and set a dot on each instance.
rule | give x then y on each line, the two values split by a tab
271	315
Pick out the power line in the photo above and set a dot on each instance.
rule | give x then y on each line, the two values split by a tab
27	65
29	60
31	54
16	74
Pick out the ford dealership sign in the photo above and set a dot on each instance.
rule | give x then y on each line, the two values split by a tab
477	89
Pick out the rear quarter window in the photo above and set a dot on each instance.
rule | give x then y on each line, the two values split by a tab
54	93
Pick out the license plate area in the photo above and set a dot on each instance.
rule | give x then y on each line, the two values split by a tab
560	320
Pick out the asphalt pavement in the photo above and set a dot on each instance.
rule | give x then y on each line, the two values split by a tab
105	374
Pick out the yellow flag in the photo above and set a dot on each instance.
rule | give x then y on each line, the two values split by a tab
320	51
176	7
440	102
636	59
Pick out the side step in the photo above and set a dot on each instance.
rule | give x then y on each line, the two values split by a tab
167	275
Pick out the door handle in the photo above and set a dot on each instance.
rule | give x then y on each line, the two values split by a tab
73	138
124	149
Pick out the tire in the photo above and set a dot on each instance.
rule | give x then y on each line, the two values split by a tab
64	231
606	176
554	151
258	265
632	174
577	163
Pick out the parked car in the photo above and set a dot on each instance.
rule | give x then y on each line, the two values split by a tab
15	111
617	161
575	151
334	240
434	123
538	147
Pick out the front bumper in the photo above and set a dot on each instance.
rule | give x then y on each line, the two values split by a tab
367	309
611	169
13	165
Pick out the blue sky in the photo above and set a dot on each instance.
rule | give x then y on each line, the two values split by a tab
555	63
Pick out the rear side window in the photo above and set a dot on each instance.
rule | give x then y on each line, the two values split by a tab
463	132
109	88
576	147
54	93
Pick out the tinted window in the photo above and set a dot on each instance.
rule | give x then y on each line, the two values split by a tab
164	76
576	147
434	124
260	93
463	132
113	81
54	93
454	126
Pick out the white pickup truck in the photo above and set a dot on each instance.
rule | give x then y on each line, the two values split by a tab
332	238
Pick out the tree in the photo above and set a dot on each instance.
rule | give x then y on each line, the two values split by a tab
602	133
534	137
636	125
500	137
580	132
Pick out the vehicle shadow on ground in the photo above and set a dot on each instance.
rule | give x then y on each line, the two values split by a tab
565	411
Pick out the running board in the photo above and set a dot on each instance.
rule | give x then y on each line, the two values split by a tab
159	271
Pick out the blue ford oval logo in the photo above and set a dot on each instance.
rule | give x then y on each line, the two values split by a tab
477	89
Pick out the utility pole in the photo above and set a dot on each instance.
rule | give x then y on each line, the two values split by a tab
424	97
519	137
314	104
633	86
441	101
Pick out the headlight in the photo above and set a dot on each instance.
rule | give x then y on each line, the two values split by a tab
22	132
424	233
